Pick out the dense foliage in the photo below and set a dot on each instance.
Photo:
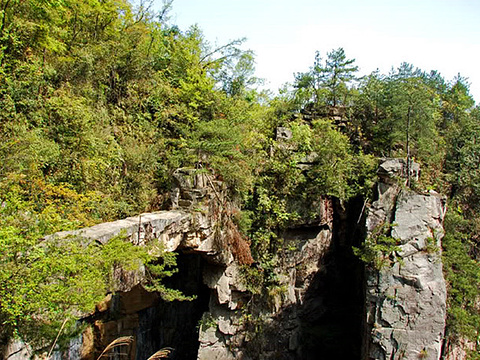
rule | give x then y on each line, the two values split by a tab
102	100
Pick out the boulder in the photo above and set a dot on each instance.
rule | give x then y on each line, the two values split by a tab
392	169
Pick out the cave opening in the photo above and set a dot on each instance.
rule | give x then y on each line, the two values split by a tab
175	324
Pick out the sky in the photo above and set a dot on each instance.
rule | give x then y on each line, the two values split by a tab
442	35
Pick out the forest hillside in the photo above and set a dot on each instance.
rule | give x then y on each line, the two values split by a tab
101	101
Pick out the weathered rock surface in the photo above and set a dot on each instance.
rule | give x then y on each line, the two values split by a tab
406	300
139	229
228	328
393	169
313	310
132	310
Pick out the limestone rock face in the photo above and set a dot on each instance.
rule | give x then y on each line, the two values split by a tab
406	300
139	229
232	330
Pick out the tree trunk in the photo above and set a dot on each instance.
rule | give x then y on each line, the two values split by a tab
408	146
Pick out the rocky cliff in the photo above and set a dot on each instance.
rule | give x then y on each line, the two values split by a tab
405	293
326	303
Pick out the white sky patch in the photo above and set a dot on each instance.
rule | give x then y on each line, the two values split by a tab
441	35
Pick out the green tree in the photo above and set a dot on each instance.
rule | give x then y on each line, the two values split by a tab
456	101
327	83
309	85
98	100
370	111
402	115
237	77
462	272
338	72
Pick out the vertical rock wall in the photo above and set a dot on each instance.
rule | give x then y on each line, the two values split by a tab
406	298
241	326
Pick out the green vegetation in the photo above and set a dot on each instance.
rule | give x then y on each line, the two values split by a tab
47	283
101	101
327	84
378	250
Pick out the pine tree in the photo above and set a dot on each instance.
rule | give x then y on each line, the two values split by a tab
327	83
337	73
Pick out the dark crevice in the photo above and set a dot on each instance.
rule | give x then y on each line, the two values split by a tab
305	232
445	345
391	220
332	314
152	322
395	347
175	324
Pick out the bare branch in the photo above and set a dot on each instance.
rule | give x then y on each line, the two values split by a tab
229	46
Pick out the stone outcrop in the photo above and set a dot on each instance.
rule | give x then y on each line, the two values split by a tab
391	171
228	319
166	226
193	229
406	297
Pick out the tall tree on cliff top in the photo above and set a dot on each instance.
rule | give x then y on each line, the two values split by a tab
327	82
414	109
338	72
